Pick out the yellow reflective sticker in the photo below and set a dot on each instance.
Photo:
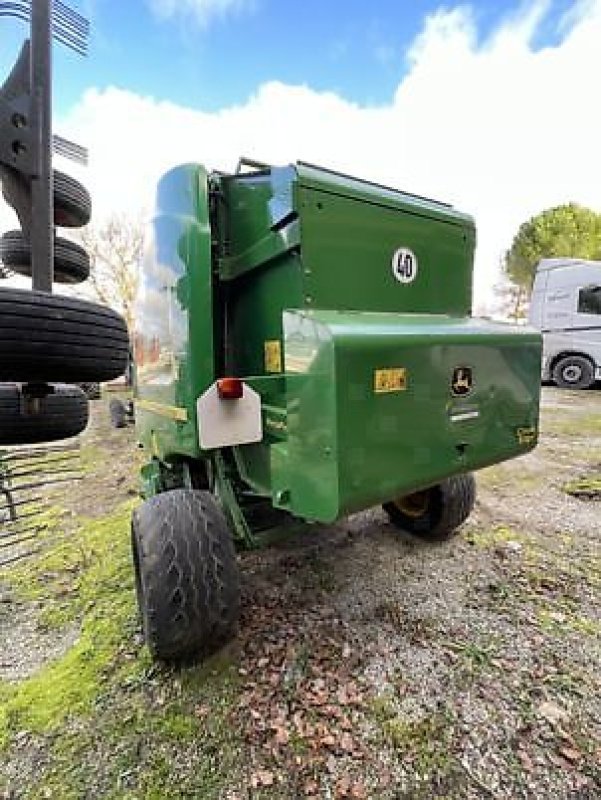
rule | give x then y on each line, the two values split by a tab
390	380
526	435
273	356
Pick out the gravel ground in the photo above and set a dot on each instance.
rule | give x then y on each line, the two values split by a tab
368	664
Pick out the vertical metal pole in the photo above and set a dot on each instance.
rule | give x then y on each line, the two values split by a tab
42	223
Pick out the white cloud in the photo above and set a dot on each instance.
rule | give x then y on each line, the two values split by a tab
498	129
204	11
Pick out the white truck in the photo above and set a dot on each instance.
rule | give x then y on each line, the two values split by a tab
566	307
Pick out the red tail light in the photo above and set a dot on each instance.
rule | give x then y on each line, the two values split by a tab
230	388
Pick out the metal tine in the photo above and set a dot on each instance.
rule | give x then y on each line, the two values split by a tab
4	545
74	18
25	473
12	534
42	464
70	28
19	556
64	23
70	149
71	42
21	517
16	8
77	18
37	484
22	503
18	453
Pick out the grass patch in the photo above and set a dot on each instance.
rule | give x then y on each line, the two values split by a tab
425	746
104	720
585	488
87	577
578	425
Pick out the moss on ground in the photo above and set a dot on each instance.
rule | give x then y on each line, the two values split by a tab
109	722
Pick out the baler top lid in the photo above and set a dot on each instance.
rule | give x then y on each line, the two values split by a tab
339	183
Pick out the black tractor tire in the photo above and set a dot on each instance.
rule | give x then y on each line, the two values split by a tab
187	582
71	261
49	337
58	415
72	203
118	413
574	372
437	512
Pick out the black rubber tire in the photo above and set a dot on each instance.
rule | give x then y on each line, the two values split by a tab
72	202
59	415
187	582
71	261
447	505
49	337
118	413
574	372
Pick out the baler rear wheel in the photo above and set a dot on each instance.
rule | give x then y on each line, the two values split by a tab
58	415
49	337
437	512
187	582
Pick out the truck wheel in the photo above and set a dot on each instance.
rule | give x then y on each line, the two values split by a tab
437	512
71	261
118	413
187	582
72	203
574	372
49	337
58	415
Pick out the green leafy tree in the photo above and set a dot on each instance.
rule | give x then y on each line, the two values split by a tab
570	230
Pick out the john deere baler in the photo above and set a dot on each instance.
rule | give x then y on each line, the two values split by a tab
305	349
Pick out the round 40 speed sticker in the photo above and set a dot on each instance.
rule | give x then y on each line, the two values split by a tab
404	265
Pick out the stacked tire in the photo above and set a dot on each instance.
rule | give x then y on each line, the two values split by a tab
48	341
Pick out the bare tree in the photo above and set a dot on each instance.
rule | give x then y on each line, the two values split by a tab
512	300
115	249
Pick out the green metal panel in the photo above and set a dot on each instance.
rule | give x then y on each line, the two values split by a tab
349	447
347	251
174	349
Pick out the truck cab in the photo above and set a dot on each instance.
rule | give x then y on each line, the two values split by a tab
566	307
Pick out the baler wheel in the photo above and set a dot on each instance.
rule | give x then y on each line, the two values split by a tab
49	337
437	512
58	415
71	261
187	582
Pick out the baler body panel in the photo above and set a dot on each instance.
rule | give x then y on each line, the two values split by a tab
352	442
284	277
173	338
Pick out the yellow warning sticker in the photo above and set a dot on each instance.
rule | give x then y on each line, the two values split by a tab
273	356
526	435
390	380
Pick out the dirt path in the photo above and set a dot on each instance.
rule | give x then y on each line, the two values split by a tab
368	664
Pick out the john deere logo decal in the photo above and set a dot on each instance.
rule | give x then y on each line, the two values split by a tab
462	381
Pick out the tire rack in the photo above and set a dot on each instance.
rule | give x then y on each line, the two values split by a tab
45	339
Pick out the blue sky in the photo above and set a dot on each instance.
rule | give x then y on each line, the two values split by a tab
355	48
